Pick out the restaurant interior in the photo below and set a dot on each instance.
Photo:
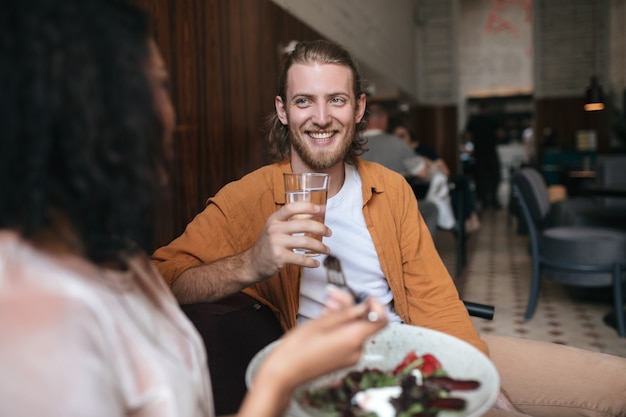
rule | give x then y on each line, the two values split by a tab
554	72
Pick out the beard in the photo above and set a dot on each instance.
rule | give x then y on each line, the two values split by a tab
321	159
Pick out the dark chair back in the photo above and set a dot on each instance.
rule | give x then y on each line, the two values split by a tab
233	331
534	192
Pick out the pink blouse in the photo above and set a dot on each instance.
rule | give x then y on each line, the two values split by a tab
77	340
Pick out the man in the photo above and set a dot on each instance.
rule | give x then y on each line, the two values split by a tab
383	147
483	131
391	152
243	240
243	237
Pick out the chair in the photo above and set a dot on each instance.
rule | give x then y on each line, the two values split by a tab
430	213
458	189
573	255
233	330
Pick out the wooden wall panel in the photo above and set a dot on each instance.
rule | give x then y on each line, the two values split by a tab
436	126
223	59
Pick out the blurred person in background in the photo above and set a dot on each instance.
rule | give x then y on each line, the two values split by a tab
530	145
461	193
432	158
483	131
387	149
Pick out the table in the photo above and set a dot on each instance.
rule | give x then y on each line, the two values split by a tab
618	191
577	180
584	173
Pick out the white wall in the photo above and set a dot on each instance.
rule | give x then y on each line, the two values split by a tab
379	33
472	48
618	52
570	46
436	49
495	48
442	51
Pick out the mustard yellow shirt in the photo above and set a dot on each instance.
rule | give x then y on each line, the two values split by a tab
424	293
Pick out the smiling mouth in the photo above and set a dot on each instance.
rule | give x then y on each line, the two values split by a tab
321	136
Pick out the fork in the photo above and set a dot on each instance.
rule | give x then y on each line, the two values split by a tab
335	276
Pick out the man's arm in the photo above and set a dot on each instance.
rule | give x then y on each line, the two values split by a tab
272	250
214	281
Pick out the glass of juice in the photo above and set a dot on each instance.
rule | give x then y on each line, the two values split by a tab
310	187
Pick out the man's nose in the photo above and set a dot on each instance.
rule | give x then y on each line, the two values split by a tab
321	117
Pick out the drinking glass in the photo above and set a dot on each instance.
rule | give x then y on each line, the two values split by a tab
310	187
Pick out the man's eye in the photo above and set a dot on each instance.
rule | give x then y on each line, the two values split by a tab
337	100
302	101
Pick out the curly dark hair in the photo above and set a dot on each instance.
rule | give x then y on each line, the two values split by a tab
80	133
313	52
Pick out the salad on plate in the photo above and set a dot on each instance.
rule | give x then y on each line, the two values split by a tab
417	387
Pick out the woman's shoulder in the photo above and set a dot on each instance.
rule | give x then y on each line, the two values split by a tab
34	277
64	323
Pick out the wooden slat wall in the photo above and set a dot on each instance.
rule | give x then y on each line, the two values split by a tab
437	127
223	58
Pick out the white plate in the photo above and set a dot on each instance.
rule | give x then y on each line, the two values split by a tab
386	349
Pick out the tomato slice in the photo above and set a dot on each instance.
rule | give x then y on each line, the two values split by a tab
430	364
427	364
408	359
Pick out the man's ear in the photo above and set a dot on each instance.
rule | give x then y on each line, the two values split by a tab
360	108
280	110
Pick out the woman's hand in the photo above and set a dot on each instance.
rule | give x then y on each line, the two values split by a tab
333	341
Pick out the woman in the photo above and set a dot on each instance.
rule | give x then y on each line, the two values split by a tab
88	327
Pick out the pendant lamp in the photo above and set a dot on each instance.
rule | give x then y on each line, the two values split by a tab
594	97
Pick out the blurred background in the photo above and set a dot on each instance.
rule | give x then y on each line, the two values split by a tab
434	60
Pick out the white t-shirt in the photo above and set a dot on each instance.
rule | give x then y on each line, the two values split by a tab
352	244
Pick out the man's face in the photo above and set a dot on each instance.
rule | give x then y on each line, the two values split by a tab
321	112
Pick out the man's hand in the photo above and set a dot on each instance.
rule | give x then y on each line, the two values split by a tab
274	247
272	250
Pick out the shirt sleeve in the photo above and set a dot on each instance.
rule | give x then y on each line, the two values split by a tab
230	223
432	299
206	238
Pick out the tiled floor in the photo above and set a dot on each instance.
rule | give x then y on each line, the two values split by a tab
498	273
